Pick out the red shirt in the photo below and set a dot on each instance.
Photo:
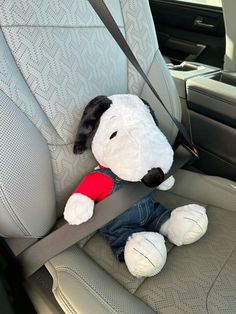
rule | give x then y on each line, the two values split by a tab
95	185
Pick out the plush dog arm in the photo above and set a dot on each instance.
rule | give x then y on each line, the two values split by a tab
145	254
167	184
186	225
79	208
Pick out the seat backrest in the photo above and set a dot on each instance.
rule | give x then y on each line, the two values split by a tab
54	57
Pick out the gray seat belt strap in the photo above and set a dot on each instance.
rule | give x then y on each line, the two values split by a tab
57	241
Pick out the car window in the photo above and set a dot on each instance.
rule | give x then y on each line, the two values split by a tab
216	3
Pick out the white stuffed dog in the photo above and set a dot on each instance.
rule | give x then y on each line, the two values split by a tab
125	139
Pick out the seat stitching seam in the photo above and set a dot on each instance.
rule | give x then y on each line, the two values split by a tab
212	285
172	109
56	26
29	91
66	302
85	283
129	63
124	27
217	184
57	290
12	213
164	77
208	204
89	287
31	120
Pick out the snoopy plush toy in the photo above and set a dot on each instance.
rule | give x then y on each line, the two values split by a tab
123	134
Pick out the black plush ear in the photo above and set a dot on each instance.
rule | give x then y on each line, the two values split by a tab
151	111
89	122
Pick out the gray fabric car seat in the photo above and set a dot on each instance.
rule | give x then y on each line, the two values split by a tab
54	57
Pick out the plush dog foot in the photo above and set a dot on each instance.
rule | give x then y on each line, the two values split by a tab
167	184
186	225
145	254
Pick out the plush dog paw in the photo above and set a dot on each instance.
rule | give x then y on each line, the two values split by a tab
167	184
79	208
186	225
145	254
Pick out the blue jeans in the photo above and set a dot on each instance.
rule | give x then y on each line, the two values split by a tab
143	216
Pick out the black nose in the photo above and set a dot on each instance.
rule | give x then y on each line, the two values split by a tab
153	178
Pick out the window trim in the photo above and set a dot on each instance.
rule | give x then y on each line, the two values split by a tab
203	4
198	6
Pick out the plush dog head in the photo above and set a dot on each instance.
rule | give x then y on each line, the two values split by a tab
124	136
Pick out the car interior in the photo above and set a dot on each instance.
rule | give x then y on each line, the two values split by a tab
55	56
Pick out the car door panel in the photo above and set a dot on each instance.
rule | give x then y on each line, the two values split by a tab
212	112
213	99
189	32
216	142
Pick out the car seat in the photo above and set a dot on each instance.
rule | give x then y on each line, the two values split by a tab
54	57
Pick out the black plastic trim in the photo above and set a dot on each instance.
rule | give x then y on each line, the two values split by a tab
190	5
223	110
213	136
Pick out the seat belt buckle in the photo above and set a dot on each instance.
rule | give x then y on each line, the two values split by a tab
193	150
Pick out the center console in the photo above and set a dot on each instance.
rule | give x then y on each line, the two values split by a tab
186	70
181	74
214	95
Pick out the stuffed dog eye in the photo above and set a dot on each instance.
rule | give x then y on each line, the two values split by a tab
113	135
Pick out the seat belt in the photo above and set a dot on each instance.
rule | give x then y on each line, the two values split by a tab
35	256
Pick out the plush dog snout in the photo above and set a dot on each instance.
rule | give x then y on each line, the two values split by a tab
153	178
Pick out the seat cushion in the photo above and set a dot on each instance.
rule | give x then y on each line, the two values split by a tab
81	286
197	278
